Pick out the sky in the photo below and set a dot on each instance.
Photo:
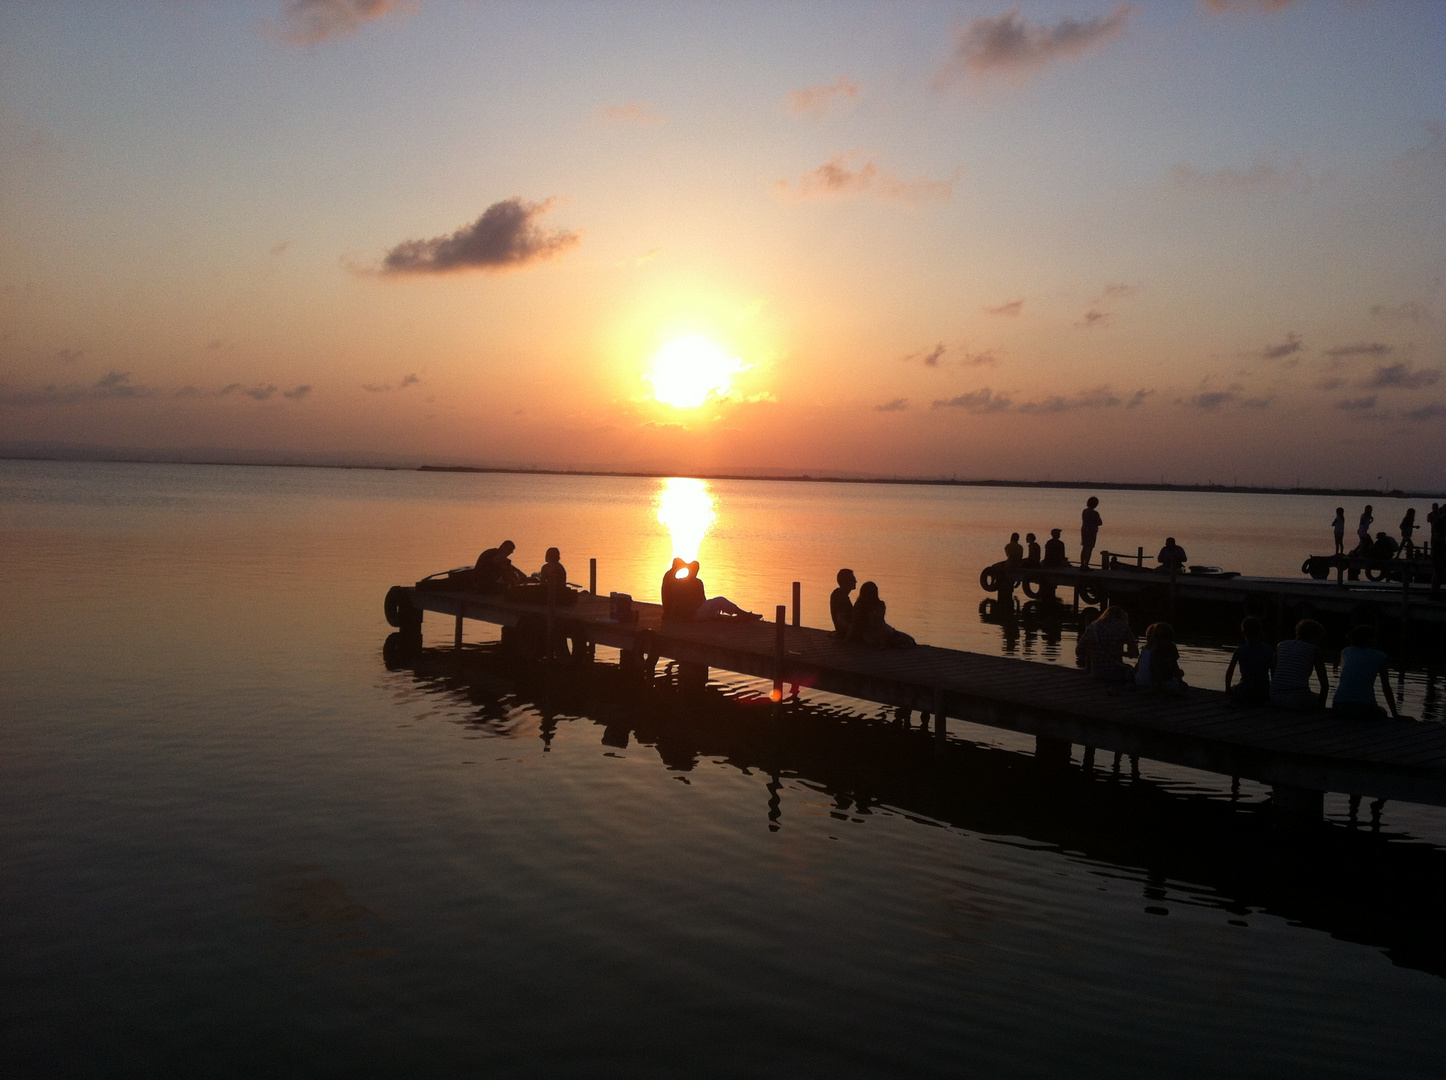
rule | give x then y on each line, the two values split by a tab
1184	241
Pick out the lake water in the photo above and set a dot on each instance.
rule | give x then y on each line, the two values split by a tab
235	843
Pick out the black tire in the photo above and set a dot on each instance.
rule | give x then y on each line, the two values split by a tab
1031	588
1308	566
1376	573
989	579
1089	594
396	603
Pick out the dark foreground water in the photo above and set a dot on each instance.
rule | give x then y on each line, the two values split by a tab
233	842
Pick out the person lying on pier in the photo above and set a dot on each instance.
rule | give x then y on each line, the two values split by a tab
1159	666
1294	662
690	603
1054	553
1338	527
1362	664
1013	553
1106	642
840	607
1252	659
494	571
1172	557
1031	557
868	623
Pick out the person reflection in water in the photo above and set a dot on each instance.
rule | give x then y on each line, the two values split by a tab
840	607
868	623
688	601
494	571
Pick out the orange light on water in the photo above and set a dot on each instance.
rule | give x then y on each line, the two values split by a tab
685	509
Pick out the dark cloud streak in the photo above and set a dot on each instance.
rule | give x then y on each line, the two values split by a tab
506	237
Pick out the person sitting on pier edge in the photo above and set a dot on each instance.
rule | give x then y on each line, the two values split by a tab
665	591
1437	520
1408	526
553	573
1338	527
1253	659
1089	531
494	571
1384	547
1013	552
1054	553
1294	661
1031	557
690	603
1172	557
1362	664
1105	640
840	607
1159	666
868	622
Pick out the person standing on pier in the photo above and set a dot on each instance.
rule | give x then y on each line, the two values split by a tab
1408	526
840	607
1437	520
1363	529
1089	531
1338	526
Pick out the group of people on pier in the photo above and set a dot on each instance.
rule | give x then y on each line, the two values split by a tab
1383	546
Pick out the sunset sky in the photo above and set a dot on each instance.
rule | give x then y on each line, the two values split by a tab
1083	240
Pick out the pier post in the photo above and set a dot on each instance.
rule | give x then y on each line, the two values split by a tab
592	576
547	652
1295	807
1140	557
457	631
778	653
798	603
939	716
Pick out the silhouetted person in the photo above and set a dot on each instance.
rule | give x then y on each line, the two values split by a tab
1013	553
1172	556
690	603
1384	547
1031	556
1105	643
665	591
1362	664
1054	553
1159	666
1408	527
1294	662
840	607
553	573
1363	527
494	571
869	625
1437	520
1338	527
1087	616
1089	531
1252	659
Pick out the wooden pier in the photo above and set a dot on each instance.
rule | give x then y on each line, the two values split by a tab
1300	755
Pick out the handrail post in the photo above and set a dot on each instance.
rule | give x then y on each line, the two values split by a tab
592	576
1140	557
778	654
797	603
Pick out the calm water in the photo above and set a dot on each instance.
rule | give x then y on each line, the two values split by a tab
234	843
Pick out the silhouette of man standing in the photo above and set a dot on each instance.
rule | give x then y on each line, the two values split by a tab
1089	531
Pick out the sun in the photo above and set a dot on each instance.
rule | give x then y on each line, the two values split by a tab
690	368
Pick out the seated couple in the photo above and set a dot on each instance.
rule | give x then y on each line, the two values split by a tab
863	620
494	573
685	600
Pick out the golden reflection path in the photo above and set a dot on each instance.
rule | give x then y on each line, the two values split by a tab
685	509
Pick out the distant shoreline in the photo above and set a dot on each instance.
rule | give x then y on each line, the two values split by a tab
805	478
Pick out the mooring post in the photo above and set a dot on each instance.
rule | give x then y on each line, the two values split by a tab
1140	557
778	653
939	718
592	576
798	603
457	633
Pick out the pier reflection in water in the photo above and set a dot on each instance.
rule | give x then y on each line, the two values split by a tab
1171	841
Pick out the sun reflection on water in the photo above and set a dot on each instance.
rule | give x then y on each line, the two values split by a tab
685	509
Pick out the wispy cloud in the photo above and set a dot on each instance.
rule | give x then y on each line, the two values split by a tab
1119	291
636	113
1094	317
932	357
1245	7
310	22
1401	376
979	359
1215	400
836	177
506	237
112	386
296	393
1012	47
1363	348
1360	404
382	388
1289	347
977	401
818	100
1410	311
1099	398
1433	411
899	404
1334	382
69	356
1263	178
1009	307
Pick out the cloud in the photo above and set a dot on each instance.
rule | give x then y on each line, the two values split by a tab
1332	383
1374	348
900	404
382	388
1138	398
1410	311
1100	398
980	359
69	356
835	177
1214	400
1402	377
409	380
280	247
261	393
1009	307
506	237
112	386
978	401
1263	178
817	100
636	113
1094	317
1427	412
310	22
1359	404
931	359
1119	291
1015	48
1289	347
296	393
1244	7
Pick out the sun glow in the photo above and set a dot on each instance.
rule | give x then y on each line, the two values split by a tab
690	368
685	509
